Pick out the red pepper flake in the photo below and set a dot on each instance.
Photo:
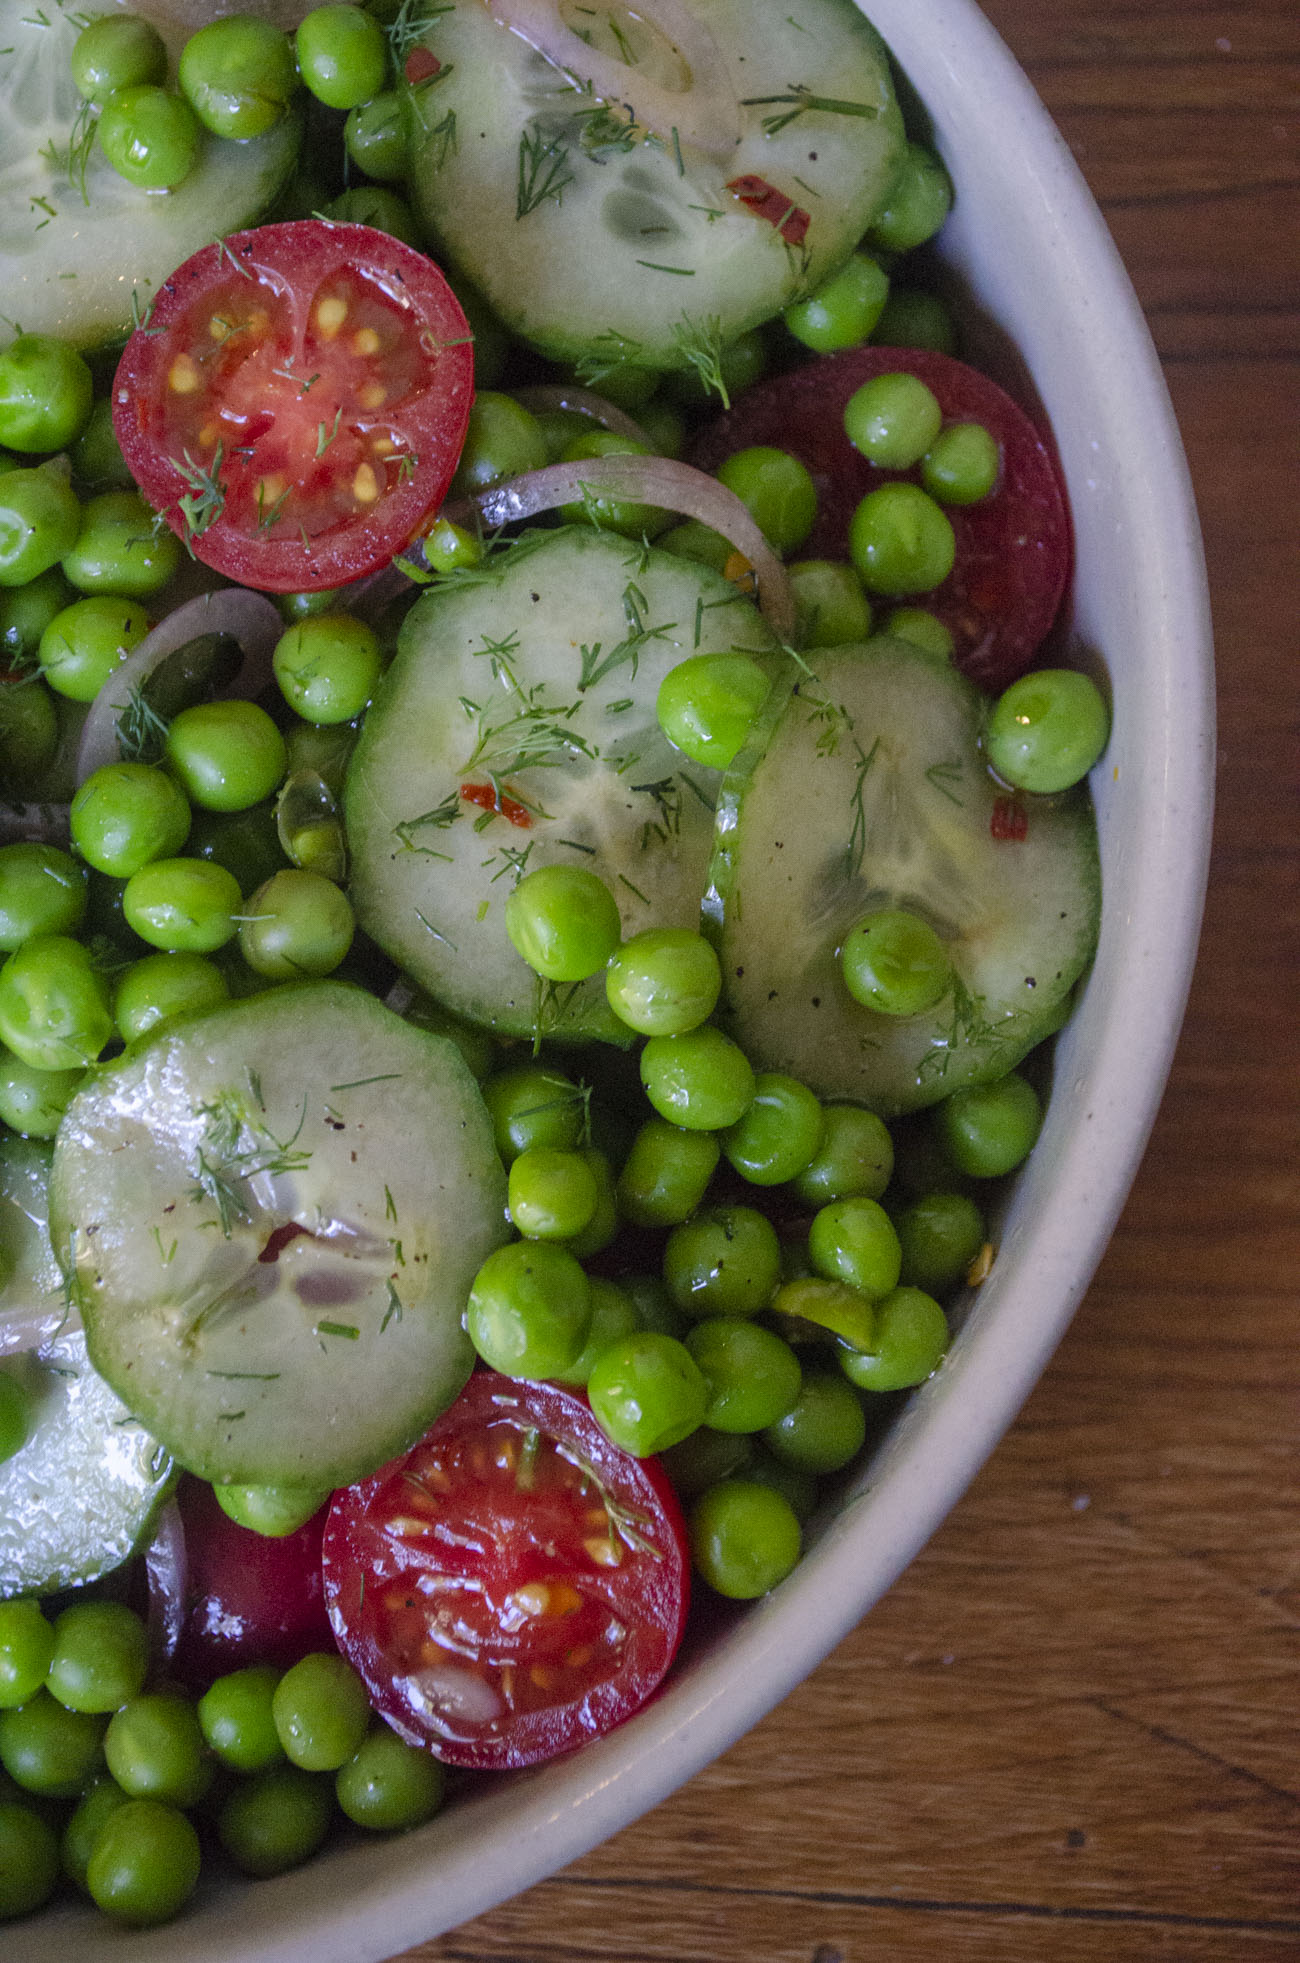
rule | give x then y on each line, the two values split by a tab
765	201
490	799
1010	820
421	66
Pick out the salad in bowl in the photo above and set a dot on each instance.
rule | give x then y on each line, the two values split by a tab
548	737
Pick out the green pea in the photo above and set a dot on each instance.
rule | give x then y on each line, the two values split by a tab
246	843
603	1225
913	319
342	55
42	891
922	629
745	1538
377	206
184	906
602	509
614	1315
724	1261
961	466
707	704
529	1309
54	1011
894	962
26	612
698	543
666	1174
39	521
797	1489
238	75
491	339
892	420
85	642
47	1749
45	393
237	1722
854	1241
275	1821
552	1194
120	550
646	1393
323	747
154	1749
145	1864
533	1104
834	1305
33	1102
126	814
752	1375
375	137
831	608
150	137
97	459
117	51
160	986
741	363
704	1457
909	1342
503	440
85	1824
844	309
664	427
100	1656
939	1235
663	981
701	1081
776	490
448	547
918	201
26	1646
1047	730
327	667
297	924
779	1135
856	1155
653	1304
228	755
273	1511
986	1129
625	384
563	921
29	1860
29	735
823	1429
900	541
389	1786
321	1712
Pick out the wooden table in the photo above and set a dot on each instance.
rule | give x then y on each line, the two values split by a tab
1069	1733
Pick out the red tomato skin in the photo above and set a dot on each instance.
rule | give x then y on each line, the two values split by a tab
294	259
249	1599
359	1564
1014	549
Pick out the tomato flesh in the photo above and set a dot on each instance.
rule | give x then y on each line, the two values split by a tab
1013	548
296	403
512	1587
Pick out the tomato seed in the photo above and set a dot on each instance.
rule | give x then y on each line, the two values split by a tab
365	341
373	396
604	1552
183	377
330	316
365	485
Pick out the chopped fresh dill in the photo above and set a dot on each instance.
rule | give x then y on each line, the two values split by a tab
443	140
141	731
543	171
610	351
431	929
357	1083
857	844
944	775
623	880
438	819
699	342
797	101
653	266
345	1329
205	500
324	440
393	1313
410	24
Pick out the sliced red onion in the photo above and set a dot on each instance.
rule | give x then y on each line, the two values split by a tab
248	618
167	1567
34	1324
705	113
42	824
644	480
547	397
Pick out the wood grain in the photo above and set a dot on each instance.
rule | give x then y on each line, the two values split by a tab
1069	1732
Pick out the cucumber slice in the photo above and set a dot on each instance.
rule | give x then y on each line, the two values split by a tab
535	684
595	238
76	240
78	1498
865	787
272	1215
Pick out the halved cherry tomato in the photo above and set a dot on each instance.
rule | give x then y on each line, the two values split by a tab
515	1585
1013	548
248	1599
296	402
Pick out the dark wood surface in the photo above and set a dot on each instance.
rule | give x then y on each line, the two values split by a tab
1069	1734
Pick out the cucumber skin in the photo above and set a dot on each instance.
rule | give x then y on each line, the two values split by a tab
431	1384
825	1072
742	272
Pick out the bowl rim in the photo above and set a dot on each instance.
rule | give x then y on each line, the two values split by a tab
367	1902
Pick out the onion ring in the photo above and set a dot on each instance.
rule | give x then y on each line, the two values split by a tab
549	396
166	1562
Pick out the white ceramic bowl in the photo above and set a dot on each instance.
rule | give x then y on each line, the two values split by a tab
1029	247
